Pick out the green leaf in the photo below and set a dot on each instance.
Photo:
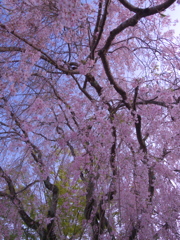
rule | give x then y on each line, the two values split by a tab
162	15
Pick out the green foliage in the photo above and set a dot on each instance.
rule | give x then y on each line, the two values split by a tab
71	204
11	237
162	15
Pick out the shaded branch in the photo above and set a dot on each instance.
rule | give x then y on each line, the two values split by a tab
151	101
139	134
133	233
94	83
151	177
52	208
135	98
55	192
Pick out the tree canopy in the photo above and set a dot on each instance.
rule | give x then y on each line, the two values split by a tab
89	120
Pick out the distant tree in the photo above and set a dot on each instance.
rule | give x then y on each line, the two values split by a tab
89	120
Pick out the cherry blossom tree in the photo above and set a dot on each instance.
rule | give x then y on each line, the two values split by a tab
89	120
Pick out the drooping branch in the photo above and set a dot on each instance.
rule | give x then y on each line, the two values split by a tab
16	201
36	152
140	13
37	155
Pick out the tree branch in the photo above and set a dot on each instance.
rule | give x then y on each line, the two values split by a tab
94	83
139	134
130	6
29	185
99	27
153	10
111	78
134	20
15	200
52	208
